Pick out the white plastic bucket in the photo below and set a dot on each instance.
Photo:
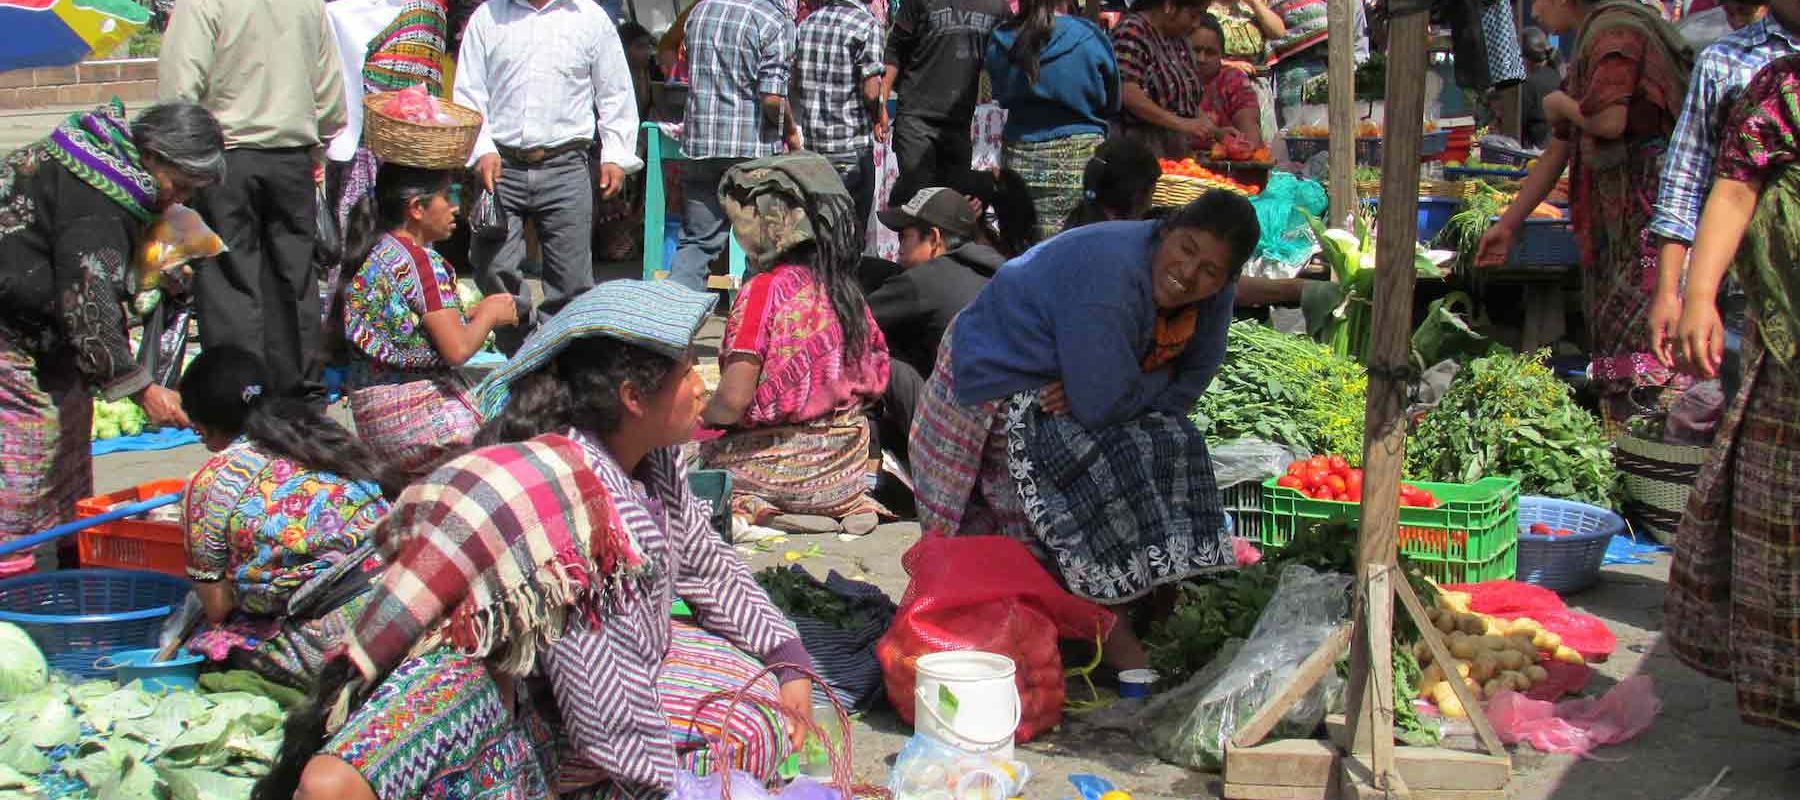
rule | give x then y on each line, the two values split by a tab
968	699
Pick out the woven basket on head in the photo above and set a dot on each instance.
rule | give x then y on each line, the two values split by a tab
418	144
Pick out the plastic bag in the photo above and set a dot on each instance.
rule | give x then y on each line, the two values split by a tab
415	104
1580	725
487	220
328	245
174	239
928	769
1248	459
745	787
1282	207
1190	726
1696	414
987	593
1584	633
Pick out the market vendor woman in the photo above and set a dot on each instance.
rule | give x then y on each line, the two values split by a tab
71	208
1057	413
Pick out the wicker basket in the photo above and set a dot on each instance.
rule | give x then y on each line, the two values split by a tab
1177	190
417	144
1657	478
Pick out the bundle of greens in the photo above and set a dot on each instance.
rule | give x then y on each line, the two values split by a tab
98	739
1462	234
1507	414
1284	389
799	595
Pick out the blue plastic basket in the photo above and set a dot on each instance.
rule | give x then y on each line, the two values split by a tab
78	616
1564	564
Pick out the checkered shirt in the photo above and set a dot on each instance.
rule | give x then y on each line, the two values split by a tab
1720	75
839	47
738	51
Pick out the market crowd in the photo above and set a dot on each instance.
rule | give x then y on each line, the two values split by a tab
475	584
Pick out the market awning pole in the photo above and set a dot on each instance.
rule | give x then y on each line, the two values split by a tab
1340	28
1389	359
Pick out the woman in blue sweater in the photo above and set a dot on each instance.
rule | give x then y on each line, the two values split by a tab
1057	412
1057	79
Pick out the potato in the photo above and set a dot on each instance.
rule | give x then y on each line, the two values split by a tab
1546	640
1422	652
1452	707
1567	655
1445	622
1495	626
1522	643
1463	647
1524	625
1472	625
1510	659
1485	666
1515	680
1442	691
1428	688
1431	674
1492	642
1431	614
1536	674
1493	688
1463	669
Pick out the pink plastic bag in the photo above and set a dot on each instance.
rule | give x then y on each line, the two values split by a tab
1245	550
1587	634
414	104
1580	725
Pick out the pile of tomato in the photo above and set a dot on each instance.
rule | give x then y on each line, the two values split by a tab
1544	529
1332	478
1189	168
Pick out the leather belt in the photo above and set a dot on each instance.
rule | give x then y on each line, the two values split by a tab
538	155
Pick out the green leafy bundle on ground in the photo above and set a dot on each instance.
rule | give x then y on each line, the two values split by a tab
1506	414
1285	389
798	595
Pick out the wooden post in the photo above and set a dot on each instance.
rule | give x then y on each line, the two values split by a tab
1384	443
1340	23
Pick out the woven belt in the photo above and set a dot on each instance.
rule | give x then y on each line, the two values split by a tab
538	155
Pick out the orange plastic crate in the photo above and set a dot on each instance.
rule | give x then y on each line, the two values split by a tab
133	543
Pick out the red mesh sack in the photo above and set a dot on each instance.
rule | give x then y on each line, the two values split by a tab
1584	633
987	593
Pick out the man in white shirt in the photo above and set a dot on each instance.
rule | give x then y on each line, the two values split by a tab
550	79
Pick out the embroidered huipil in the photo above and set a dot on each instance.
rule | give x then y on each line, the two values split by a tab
604	675
387	300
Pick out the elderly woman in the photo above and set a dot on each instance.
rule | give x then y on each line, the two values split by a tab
286	501
1610	127
72	207
407	327
1057	413
802	357
572	541
1734	583
1160	78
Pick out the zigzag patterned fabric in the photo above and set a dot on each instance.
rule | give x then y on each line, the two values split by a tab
408	50
96	146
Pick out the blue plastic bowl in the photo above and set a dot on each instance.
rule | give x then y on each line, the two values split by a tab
1564	564
77	616
179	673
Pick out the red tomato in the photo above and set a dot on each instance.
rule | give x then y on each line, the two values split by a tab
1315	478
1338	464
1353	483
1540	528
1430	501
1318	463
1337	485
1564	532
1319	494
1291	481
1297	467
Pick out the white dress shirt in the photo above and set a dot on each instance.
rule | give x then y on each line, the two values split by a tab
542	77
355	23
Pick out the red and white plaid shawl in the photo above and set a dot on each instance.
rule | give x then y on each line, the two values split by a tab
492	553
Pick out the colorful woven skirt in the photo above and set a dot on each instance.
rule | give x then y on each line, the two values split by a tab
816	468
1052	171
698	677
46	431
415	425
1733	605
438	728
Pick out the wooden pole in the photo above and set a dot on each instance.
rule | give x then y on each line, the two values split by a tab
1384	443
1340	22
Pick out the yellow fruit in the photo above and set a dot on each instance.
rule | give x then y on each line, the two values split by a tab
1568	655
1442	691
1546	640
1116	795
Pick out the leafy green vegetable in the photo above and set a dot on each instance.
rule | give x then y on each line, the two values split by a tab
241	680
22	667
45	720
800	595
1507	414
1284	389
1462	233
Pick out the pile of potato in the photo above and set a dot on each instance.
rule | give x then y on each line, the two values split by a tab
1491	655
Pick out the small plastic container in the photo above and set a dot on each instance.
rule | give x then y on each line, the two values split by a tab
1136	682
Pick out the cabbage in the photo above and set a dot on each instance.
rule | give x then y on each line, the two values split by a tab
22	667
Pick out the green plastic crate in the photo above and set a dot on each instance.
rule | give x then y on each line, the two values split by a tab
1500	567
1474	528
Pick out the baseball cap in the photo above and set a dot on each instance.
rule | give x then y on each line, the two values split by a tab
938	207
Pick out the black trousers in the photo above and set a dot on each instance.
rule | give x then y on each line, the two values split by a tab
898	403
263	295
929	153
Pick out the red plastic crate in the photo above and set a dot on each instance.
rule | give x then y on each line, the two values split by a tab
133	543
